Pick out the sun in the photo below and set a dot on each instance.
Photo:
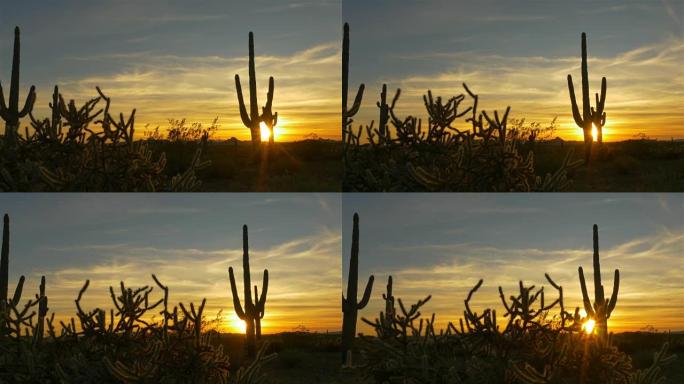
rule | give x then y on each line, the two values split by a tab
588	326
594	133
265	133
236	325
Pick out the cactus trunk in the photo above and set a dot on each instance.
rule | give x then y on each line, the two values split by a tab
4	265
350	305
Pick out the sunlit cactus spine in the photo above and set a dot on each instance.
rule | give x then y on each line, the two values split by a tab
253	310
348	113
252	119
602	309
589	116
350	304
11	114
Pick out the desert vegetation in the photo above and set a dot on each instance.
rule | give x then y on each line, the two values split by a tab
89	148
535	338
144	338
463	149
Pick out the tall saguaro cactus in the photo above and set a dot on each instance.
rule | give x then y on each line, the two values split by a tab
348	113
253	119
350	305
602	309
4	265
589	116
11	114
253	310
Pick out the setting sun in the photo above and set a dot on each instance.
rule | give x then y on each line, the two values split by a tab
234	324
588	326
265	133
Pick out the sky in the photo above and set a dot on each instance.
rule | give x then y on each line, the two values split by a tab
518	54
188	241
442	244
177	59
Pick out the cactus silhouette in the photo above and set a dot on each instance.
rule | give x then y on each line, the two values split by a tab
11	114
602	309
350	305
589	116
348	113
389	302
4	266
253	119
253	310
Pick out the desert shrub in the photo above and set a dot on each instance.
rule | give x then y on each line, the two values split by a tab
539	342
179	131
88	149
441	157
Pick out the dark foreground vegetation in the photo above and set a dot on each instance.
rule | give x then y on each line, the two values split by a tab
626	166
301	166
534	339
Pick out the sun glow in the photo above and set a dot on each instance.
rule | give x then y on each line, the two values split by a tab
594	133
588	326
236	325
265	132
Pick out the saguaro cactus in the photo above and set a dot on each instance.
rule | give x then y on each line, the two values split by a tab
601	309
589	116
350	305
4	265
348	113
12	114
252	311
253	119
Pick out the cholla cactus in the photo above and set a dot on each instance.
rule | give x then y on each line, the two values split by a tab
589	116
442	157
602	309
253	309
253	119
10	112
350	304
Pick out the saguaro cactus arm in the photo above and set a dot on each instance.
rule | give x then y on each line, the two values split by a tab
236	298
